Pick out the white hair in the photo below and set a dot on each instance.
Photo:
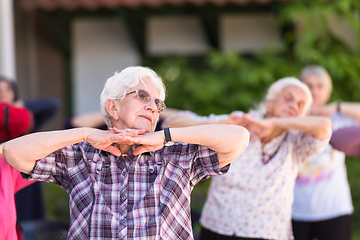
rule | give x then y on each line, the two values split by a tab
318	71
276	88
117	85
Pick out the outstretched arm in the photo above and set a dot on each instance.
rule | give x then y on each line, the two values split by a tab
23	152
347	140
229	141
187	119
350	109
266	129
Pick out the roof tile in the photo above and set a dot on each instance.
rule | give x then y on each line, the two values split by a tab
50	5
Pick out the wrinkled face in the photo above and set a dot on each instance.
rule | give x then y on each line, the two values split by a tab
319	88
135	114
6	92
290	102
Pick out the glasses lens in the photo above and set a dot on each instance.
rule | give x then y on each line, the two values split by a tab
144	96
160	105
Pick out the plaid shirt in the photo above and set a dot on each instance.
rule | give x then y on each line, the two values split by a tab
140	197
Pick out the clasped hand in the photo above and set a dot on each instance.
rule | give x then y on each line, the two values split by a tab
262	129
147	142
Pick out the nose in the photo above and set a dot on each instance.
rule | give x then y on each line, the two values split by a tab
151	106
293	105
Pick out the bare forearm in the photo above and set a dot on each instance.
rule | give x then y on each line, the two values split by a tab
350	109
184	121
229	141
318	127
23	152
187	120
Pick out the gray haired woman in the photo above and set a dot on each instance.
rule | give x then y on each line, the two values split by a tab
253	200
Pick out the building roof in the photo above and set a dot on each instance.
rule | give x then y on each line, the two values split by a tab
49	5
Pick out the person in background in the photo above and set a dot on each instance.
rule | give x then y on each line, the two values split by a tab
14	122
253	200
347	140
322	205
129	181
43	109
29	201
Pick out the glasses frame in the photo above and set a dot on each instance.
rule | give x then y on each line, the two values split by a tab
160	105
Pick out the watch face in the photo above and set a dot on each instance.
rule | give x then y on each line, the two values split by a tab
170	143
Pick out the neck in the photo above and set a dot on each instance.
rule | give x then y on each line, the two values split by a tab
274	134
268	138
124	149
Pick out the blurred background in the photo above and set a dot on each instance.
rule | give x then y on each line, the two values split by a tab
215	56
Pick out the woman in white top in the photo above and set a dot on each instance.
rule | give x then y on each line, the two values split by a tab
322	204
253	200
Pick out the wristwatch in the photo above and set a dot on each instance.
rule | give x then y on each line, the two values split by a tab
168	141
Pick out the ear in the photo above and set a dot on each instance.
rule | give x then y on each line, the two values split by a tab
268	106
113	108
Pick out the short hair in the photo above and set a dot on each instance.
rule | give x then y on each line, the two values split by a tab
276	88
117	85
316	70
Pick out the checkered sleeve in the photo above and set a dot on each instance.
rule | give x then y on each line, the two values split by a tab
55	167
306	146
205	164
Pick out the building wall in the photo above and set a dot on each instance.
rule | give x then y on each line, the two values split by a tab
40	66
100	48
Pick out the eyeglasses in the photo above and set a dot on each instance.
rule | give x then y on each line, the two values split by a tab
145	97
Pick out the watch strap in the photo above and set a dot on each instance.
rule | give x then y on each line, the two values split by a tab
167	134
168	140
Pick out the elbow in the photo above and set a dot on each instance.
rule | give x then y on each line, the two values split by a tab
243	141
325	129
7	152
239	143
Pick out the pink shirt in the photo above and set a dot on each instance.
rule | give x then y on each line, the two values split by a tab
253	200
10	182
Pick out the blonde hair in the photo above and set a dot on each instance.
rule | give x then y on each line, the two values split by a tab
318	71
117	85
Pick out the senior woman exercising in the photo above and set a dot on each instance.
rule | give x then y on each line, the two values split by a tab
253	200
124	183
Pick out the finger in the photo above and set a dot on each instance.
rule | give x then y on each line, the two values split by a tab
139	150
128	131
126	141
113	150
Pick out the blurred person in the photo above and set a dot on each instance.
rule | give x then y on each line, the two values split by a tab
322	205
253	200
123	182
29	202
42	108
14	122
